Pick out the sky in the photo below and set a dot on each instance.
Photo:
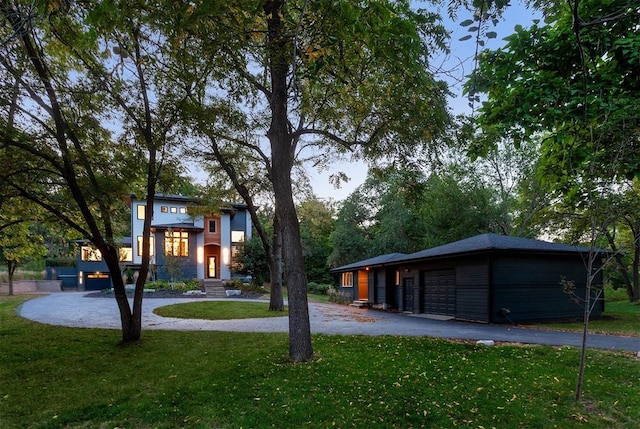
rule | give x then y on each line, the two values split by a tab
460	59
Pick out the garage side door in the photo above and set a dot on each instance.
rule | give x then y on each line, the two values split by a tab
439	292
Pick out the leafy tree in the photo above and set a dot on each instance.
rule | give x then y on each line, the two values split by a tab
350	238
19	241
572	83
338	74
73	75
316	225
253	260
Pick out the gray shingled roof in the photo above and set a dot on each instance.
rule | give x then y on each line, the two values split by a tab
495	242
378	260
478	243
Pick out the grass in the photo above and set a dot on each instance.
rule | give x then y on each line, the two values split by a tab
55	377
619	318
21	275
219	310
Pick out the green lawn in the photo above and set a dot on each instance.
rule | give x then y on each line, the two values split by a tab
219	310
619	318
54	377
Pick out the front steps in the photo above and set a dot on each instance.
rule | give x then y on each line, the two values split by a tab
360	303
214	288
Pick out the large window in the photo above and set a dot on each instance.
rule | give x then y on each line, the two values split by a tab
176	243
151	246
126	254
347	279
90	254
237	236
141	209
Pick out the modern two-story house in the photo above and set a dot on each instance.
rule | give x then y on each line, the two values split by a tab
183	245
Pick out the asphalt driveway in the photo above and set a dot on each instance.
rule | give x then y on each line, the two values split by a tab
75	310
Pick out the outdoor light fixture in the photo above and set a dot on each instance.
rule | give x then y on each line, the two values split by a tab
200	253
225	255
80	276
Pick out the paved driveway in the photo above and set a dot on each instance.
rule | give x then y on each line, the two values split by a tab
75	310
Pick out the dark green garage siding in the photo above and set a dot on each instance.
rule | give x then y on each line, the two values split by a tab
529	287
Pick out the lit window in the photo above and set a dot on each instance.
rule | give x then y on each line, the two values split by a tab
347	279
126	254
90	254
176	243
212	226
174	209
183	210
164	209
151	246
237	236
141	209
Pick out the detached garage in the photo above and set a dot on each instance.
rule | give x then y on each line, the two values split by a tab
486	278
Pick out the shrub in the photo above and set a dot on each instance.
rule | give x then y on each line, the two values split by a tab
181	286
318	288
339	296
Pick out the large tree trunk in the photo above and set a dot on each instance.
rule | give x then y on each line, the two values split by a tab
276	300
11	269
131	331
282	152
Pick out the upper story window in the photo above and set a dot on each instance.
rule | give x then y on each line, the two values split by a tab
183	210
164	209
173	209
176	243
141	210
90	254
237	236
212	226
347	279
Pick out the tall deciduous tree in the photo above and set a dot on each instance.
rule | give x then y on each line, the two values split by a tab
92	111
19	240
573	83
341	75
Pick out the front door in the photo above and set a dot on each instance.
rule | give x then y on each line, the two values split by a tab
407	289
211	267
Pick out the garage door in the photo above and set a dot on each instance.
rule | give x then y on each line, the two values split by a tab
439	293
97	281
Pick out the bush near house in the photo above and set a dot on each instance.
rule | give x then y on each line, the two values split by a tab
181	285
318	288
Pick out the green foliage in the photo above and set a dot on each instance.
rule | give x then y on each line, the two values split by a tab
253	261
316	225
179	286
318	288
61	262
537	89
402	211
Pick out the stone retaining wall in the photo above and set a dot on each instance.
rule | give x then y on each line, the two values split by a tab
31	286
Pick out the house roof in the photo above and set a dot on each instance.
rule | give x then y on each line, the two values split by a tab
226	206
476	244
178	226
378	260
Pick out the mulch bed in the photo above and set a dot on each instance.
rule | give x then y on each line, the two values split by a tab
167	293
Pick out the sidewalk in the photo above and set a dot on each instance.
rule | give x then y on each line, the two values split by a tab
74	310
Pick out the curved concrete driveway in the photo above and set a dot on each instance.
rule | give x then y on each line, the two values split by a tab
75	310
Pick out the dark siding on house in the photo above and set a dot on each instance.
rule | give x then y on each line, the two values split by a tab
472	298
529	287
